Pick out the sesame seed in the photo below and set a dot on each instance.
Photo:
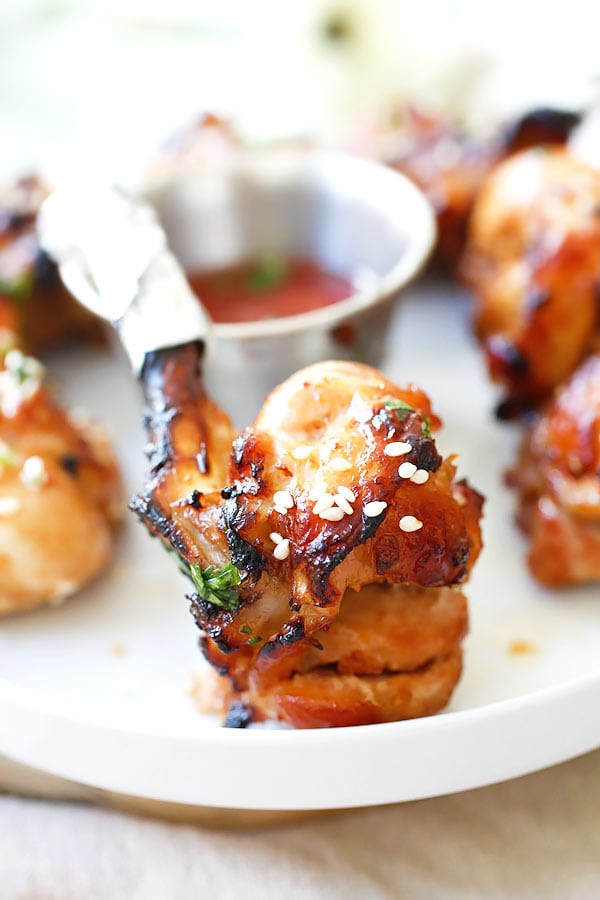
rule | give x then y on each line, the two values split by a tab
407	470
410	523
302	451
282	550
347	493
19	381
282	510
374	508
341	502
317	491
397	448
339	464
334	514
276	537
63	590
324	502
459	497
33	473
283	498
420	476
9	505
14	360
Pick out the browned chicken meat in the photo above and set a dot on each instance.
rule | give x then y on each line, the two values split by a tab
534	261
448	166
557	476
327	543
451	167
60	493
36	311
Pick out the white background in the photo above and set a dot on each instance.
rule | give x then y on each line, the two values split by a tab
94	84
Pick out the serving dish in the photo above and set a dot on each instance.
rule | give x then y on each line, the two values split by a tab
356	218
98	691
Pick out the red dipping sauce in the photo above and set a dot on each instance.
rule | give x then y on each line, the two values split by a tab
269	288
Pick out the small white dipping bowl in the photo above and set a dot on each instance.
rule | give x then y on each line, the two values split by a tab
355	218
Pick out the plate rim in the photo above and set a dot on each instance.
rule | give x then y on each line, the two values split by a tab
534	713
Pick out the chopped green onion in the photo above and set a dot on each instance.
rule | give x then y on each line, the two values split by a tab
18	288
217	586
403	409
392	403
269	272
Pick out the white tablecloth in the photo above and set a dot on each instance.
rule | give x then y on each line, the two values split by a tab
537	836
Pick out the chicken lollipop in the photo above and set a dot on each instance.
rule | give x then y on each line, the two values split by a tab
60	492
557	477
35	309
326	544
534	261
450	166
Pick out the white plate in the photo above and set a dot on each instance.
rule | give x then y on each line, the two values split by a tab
96	691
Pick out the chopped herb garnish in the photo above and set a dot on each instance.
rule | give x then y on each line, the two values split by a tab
392	403
20	372
18	288
403	409
268	273
8	457
23	368
217	586
245	629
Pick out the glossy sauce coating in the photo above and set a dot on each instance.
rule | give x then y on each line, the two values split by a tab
60	495
533	259
557	476
314	505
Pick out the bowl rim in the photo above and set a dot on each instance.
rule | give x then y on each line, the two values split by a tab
407	267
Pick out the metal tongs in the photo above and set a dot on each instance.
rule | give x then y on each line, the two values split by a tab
113	256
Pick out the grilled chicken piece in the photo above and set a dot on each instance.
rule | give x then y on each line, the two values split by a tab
448	166
36	311
543	126
534	261
393	652
451	168
337	485
557	477
60	493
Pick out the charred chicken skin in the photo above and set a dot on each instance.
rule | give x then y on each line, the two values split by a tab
36	311
534	262
326	542
557	477
60	493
